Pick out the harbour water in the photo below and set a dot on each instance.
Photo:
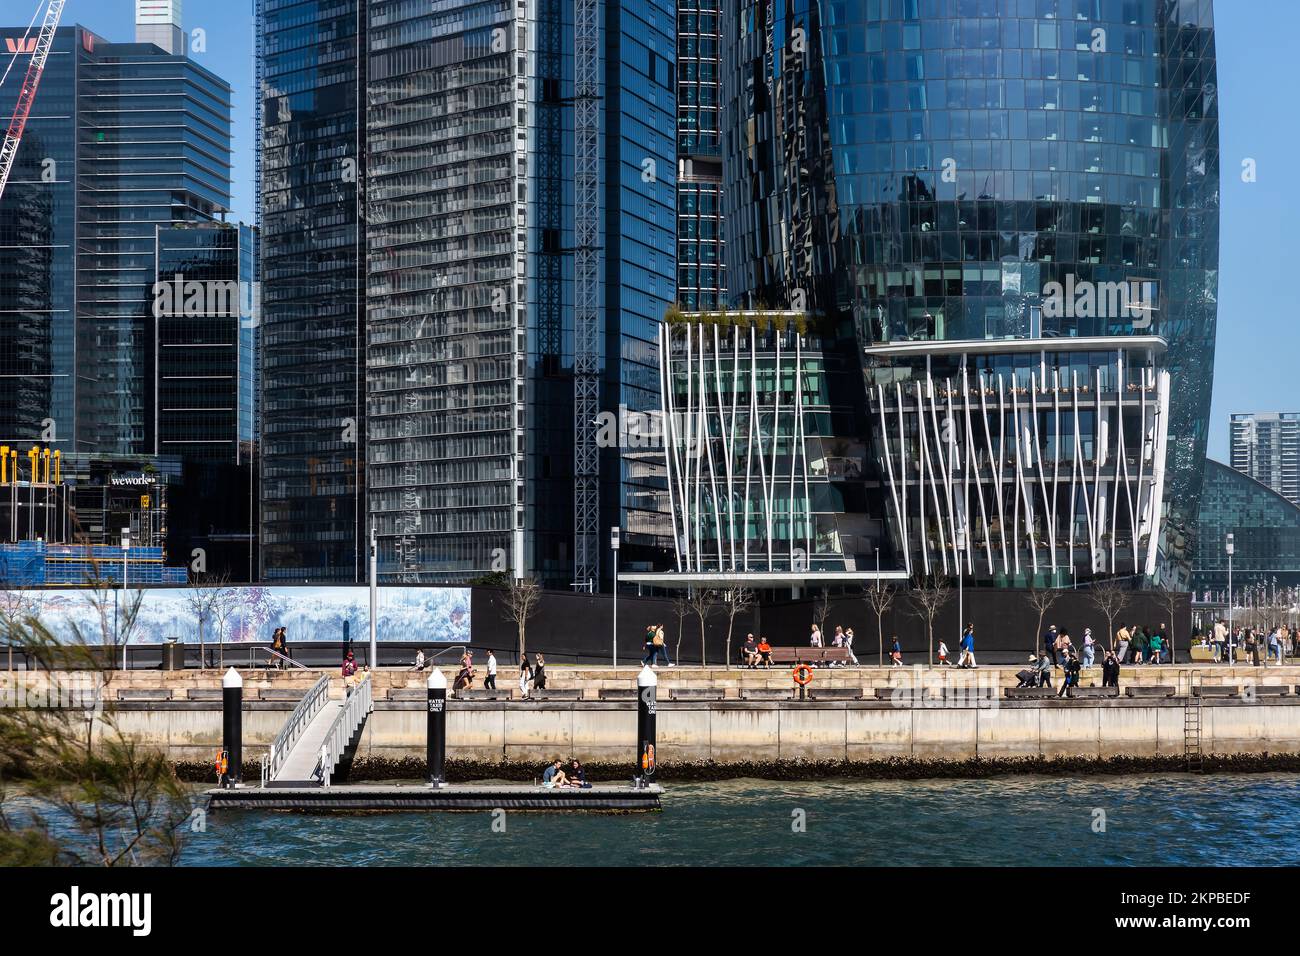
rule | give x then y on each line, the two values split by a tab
1148	820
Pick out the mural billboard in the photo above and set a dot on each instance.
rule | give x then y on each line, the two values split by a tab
248	614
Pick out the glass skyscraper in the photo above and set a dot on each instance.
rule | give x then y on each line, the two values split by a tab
471	212
1008	209
424	214
1266	447
313	404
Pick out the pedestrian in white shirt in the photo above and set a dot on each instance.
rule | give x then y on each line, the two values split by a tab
491	682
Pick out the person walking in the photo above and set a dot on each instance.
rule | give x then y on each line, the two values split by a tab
525	675
968	646
539	671
1071	680
1123	639
1220	640
490	682
1089	647
848	646
660	644
943	655
896	653
1045	670
1155	646
277	646
648	646
1049	642
815	639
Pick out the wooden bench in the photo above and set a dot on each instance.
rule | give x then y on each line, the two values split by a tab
694	693
1265	690
1215	690
765	693
833	693
568	693
1154	690
204	693
141	693
616	693
810	655
1093	693
1028	693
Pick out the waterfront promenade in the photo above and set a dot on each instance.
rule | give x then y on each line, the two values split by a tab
748	718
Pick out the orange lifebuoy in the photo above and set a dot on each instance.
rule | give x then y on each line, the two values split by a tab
223	764
802	674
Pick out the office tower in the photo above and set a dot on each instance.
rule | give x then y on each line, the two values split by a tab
311	166
159	22
701	264
126	142
1009	213
1266	446
521	238
1266	535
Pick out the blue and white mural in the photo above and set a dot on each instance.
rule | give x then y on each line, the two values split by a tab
432	615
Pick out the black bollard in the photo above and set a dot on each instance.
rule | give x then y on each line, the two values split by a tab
436	734
646	685
232	727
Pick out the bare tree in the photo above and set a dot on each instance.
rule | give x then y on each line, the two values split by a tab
520	601
1041	600
928	597
202	600
1170	599
1110	597
821	611
880	598
681	608
17	609
224	603
703	601
736	600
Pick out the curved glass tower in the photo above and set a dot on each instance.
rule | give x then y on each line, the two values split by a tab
957	182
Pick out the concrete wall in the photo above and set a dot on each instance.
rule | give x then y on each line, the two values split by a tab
743	731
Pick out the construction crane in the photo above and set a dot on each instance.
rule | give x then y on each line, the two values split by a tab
26	95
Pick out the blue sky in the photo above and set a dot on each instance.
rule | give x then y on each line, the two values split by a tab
1258	359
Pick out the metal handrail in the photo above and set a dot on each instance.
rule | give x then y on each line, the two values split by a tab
359	704
307	708
277	656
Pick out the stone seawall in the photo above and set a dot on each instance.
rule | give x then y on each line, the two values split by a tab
748	732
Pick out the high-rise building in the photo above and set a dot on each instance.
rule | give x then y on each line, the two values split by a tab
1266	530
311	162
1266	446
127	149
159	22
701	263
1006	212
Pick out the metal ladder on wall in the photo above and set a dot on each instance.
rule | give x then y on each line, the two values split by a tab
1192	750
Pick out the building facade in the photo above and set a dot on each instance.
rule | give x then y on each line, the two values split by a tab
1266	447
311	166
127	153
701	262
1266	535
1009	203
765	467
520	253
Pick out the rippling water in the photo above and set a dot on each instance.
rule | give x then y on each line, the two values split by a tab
1214	820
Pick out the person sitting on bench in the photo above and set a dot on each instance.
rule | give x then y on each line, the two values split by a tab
764	652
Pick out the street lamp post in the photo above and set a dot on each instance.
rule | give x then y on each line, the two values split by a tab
1229	547
613	546
126	547
961	549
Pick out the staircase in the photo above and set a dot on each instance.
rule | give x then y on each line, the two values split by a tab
316	735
